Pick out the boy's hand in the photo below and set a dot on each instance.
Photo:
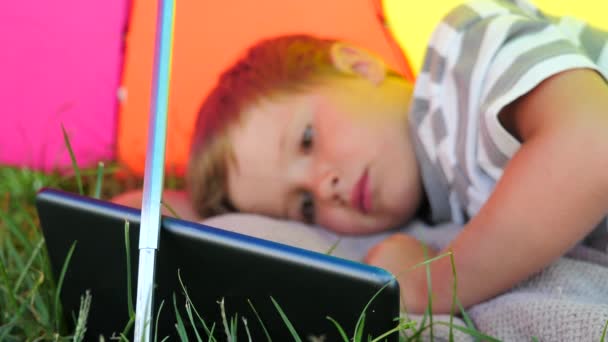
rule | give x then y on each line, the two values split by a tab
398	254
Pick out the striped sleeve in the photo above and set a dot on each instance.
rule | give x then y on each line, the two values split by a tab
531	50
483	56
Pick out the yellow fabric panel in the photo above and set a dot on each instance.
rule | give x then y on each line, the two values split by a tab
412	22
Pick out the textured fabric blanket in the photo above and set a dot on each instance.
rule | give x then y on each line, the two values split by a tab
567	301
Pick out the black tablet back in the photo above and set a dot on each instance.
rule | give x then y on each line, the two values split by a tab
214	264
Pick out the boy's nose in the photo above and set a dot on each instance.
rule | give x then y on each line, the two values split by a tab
328	188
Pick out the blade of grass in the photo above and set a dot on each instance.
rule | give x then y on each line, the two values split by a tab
428	261
429	285
130	309
4	330
41	304
191	318
12	299
29	217
14	321
411	327
28	265
362	315
603	338
188	300
179	326
28	226
455	301
47	282
12	254
246	328
128	255
359	330
333	247
128	326
454	292
42	301
37	308
211	338
339	328
400	327
467	319
225	320
292	330
43	259
425	264
15	256
418	333
83	313
260	320
66	139
465	316
99	181
60	284
160	308
15	230
423	322
233	326
173	212
401	321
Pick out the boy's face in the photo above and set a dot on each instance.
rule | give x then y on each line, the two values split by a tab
338	155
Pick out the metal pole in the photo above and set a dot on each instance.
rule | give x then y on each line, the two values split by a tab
154	171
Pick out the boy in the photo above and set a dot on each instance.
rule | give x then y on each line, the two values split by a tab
505	131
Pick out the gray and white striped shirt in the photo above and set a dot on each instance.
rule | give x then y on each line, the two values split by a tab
481	57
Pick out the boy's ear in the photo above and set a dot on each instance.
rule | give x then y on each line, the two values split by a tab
353	60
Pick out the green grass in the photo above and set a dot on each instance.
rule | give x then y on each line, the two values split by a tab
29	297
28	294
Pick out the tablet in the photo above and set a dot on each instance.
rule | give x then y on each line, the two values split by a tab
247	273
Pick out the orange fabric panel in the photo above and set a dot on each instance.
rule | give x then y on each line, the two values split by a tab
209	35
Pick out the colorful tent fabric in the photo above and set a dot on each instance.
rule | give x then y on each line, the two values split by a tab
60	63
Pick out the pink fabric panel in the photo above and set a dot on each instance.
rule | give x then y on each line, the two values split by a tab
60	63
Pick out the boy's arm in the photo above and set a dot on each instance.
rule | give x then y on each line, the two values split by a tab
552	194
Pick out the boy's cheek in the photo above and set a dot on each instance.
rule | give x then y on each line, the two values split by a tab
344	220
336	224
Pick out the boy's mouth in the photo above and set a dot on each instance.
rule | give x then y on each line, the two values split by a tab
360	197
